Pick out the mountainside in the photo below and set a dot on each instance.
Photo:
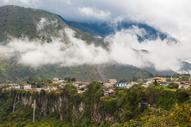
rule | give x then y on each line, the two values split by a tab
105	28
19	22
11	71
44	27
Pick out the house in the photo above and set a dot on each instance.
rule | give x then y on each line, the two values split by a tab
148	82
110	83
57	80
27	87
81	88
38	89
131	84
14	86
53	88
184	85
164	83
121	84
160	79
18	87
109	92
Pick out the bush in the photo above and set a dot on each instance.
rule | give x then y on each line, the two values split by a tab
173	85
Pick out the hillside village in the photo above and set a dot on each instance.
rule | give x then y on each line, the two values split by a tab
181	81
158	95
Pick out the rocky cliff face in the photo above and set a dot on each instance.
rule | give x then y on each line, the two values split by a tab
62	105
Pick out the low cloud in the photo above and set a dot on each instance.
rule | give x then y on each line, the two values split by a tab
94	13
123	48
36	54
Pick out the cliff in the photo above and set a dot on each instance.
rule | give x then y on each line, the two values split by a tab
137	106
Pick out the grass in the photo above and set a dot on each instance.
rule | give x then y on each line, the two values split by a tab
166	88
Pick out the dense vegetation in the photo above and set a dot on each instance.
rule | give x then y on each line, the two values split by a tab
154	106
20	23
11	71
33	24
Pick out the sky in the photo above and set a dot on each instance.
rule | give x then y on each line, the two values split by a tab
170	16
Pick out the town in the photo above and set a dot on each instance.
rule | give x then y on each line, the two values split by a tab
178	81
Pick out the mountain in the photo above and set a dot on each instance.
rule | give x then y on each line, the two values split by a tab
18	22
43	27
104	29
34	24
11	71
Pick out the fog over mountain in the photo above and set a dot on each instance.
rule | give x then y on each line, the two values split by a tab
71	47
39	44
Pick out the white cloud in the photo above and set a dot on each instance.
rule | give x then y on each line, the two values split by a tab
171	16
126	49
35	54
123	48
94	13
27	3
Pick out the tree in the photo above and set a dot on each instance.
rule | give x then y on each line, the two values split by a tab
182	115
173	85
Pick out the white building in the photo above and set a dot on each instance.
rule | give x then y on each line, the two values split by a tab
27	87
110	83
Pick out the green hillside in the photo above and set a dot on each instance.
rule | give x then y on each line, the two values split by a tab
11	71
18	22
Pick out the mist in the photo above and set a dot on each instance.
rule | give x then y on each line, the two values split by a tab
37	53
123	47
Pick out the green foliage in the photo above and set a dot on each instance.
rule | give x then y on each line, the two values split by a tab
183	95
135	107
182	115
173	85
20	22
11	71
109	105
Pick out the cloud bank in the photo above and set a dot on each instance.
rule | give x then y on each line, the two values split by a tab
94	13
172	17
35	54
123	48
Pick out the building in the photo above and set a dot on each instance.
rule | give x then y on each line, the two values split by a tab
164	83
109	92
27	87
131	84
110	83
38	89
184	84
14	86
160	79
121	84
57	80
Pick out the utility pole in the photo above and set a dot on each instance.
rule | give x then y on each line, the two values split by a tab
34	110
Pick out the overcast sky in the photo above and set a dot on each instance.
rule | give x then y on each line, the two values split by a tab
172	16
